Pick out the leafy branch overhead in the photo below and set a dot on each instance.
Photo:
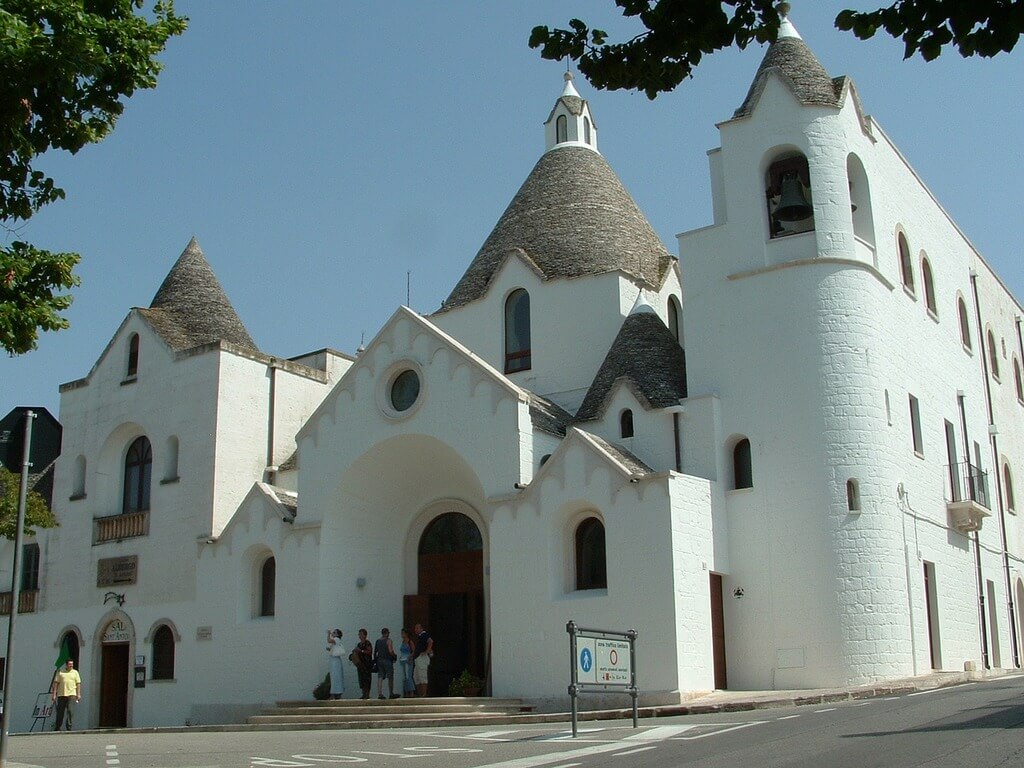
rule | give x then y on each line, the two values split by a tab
66	67
677	34
37	513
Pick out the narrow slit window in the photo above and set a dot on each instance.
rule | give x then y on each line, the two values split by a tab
626	423
965	324
518	354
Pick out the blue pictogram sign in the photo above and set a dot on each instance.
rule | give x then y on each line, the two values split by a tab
586	660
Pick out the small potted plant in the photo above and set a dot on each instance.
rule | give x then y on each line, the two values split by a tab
466	684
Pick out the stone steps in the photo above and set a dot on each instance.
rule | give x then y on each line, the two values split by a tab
391	713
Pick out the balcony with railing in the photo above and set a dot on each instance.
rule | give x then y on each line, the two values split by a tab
967	498
27	600
118	527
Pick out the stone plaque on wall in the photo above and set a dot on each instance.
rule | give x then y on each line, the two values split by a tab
115	571
204	633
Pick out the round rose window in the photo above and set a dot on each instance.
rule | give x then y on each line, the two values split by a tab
404	390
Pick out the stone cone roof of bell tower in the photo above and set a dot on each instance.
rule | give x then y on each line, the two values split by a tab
793	60
190	308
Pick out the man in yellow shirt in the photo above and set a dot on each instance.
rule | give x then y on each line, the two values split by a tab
66	692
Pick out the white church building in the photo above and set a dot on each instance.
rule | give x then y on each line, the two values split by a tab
786	458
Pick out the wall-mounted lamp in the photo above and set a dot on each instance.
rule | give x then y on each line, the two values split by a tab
519	486
118	598
738	592
361	582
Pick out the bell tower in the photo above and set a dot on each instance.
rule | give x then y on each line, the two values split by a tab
570	123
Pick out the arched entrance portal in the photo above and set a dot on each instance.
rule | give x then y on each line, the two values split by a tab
115	650
450	601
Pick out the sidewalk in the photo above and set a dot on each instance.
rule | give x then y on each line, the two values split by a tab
718	701
741	701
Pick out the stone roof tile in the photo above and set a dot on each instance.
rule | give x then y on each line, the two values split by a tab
791	58
572	217
191	309
647	357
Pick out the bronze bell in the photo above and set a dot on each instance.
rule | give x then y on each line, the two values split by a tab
792	205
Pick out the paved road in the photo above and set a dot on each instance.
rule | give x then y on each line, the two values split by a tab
980	725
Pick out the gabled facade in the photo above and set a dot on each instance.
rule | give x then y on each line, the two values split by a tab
799	473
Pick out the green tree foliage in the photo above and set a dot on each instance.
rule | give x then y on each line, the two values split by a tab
66	67
678	33
37	514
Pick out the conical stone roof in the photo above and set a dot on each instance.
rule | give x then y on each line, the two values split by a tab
572	217
648	357
791	58
190	308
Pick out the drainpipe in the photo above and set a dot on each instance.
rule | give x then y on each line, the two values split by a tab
993	431
271	471
980	586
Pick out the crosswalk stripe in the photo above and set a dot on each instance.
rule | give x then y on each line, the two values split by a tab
660	733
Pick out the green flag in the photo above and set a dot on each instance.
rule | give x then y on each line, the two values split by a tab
63	656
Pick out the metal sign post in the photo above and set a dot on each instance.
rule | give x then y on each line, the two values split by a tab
15	585
601	660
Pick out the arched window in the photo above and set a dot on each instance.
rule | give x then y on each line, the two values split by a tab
163	653
268	586
742	469
517	331
561	129
674	324
70	639
852	495
1008	488
965	324
928	284
906	266
586	130
450	532
993	355
1018	385
788	195
133	356
591	570
626	423
138	474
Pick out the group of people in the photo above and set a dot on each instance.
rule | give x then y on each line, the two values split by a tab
412	656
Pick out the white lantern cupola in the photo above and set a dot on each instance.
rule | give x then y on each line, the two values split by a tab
570	123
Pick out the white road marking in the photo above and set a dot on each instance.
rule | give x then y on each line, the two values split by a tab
490	734
891	698
114	761
660	733
861	704
819	711
925	693
719	733
555	757
634	751
788	717
111	746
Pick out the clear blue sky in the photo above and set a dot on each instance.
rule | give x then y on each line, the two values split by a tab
320	150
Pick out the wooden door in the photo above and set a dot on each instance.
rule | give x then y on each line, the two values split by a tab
718	630
114	686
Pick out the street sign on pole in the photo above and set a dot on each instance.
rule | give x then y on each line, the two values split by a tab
601	660
5	716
